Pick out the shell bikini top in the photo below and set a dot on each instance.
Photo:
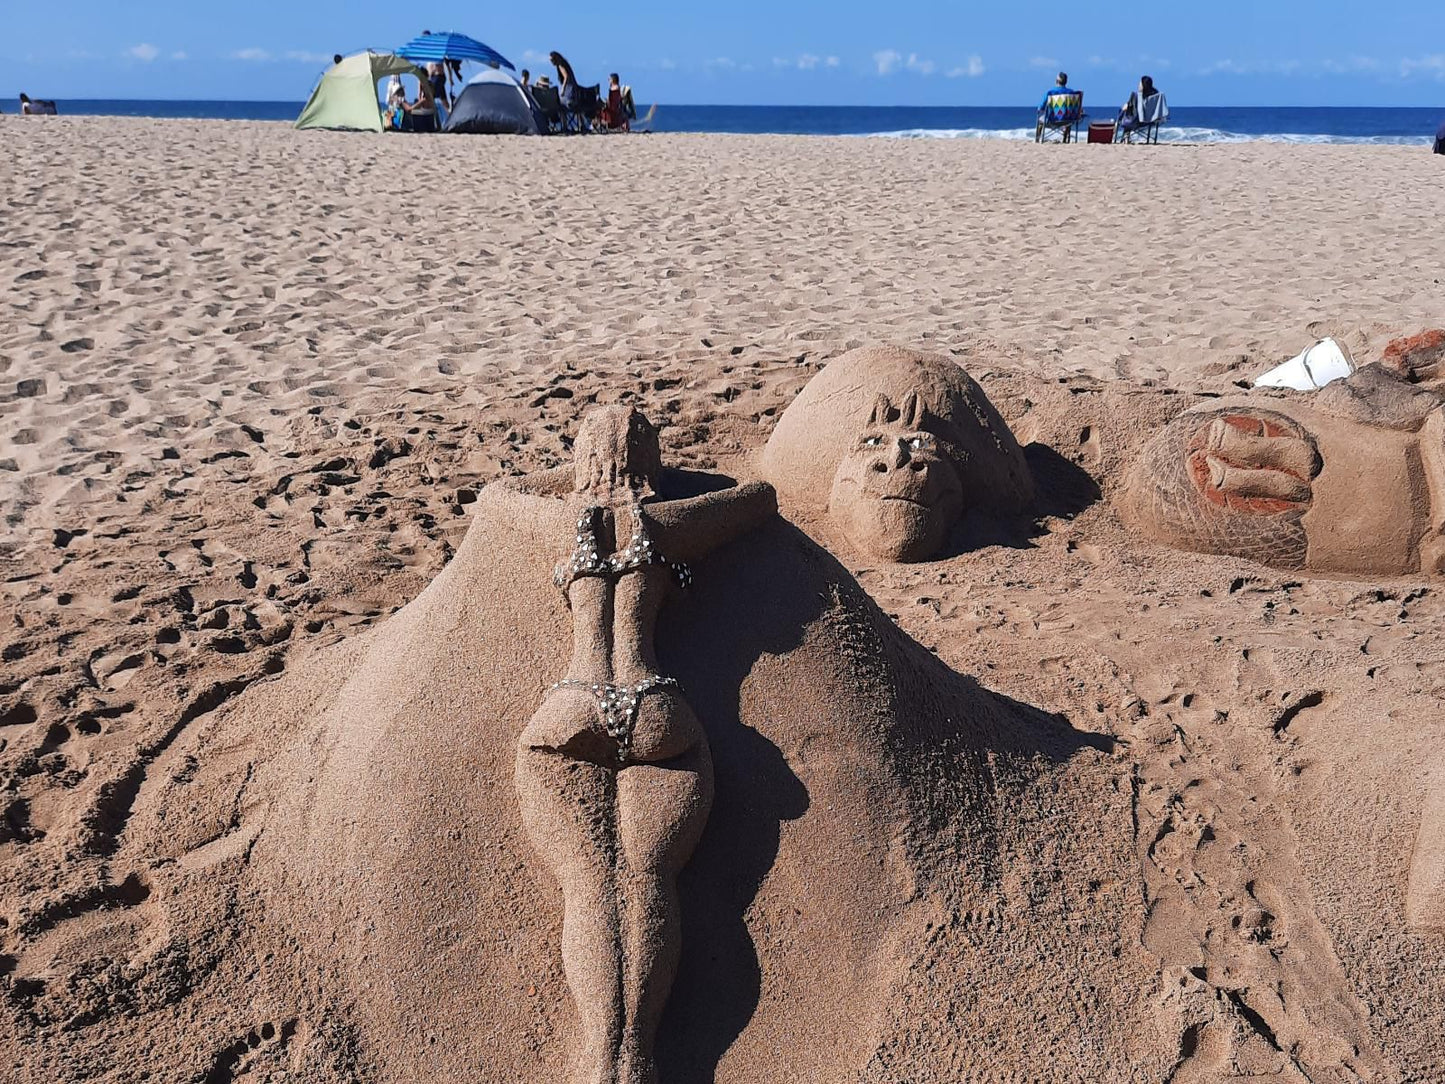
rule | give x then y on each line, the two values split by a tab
639	552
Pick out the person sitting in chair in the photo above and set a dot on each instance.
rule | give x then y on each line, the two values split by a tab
1061	86
1129	116
423	111
395	103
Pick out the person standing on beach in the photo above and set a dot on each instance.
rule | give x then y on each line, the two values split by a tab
1440	140
436	77
566	85
614	113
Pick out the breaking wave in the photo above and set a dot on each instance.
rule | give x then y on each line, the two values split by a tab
1167	135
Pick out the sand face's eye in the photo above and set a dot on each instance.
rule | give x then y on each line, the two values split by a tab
920	442
872	441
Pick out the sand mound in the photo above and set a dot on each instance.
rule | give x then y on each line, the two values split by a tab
862	795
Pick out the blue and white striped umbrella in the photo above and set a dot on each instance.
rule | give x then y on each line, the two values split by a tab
451	46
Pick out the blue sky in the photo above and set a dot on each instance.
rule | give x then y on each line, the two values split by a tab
906	52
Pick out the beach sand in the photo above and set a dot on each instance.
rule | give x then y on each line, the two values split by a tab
252	380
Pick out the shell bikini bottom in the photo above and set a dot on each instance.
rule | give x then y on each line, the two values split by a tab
617	705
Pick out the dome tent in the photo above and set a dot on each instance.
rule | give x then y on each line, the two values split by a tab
345	97
493	103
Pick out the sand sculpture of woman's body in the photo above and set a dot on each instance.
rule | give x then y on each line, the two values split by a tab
613	770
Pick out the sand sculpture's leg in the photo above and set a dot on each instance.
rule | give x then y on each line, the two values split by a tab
662	809
615	842
566	808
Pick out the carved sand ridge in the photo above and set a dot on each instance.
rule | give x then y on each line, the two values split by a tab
897	445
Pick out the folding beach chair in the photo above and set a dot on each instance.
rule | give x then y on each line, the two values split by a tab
1062	113
549	104
587	106
1154	112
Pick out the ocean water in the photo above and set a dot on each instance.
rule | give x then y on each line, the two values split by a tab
1188	124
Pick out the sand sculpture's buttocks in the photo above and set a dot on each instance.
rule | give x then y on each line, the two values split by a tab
897	447
1350	479
613	771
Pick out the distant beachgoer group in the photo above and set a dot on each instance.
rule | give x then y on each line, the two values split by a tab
1135	113
582	107
569	106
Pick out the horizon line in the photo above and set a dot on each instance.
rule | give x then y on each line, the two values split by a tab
789	105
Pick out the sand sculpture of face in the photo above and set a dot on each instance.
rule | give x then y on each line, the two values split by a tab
897	493
1349	479
896	448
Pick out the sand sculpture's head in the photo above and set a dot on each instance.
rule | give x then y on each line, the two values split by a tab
616	453
897	492
895	447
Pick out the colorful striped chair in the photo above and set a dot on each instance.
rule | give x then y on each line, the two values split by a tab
1062	112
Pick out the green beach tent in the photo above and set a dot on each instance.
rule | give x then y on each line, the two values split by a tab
346	95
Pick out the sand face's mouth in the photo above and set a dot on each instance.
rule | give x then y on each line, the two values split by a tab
906	500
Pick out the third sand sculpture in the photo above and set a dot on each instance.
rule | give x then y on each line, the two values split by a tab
613	771
1349	479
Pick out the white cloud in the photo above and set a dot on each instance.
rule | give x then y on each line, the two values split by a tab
804	62
887	60
917	64
726	63
667	65
973	69
1428	65
180	54
252	54
1351	64
1043	62
144	52
1097	61
1222	67
1154	61
1235	67
531	56
832	62
302	57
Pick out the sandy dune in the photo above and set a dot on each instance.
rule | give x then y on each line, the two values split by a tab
251	381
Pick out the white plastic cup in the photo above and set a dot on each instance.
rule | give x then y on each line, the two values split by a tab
1322	363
